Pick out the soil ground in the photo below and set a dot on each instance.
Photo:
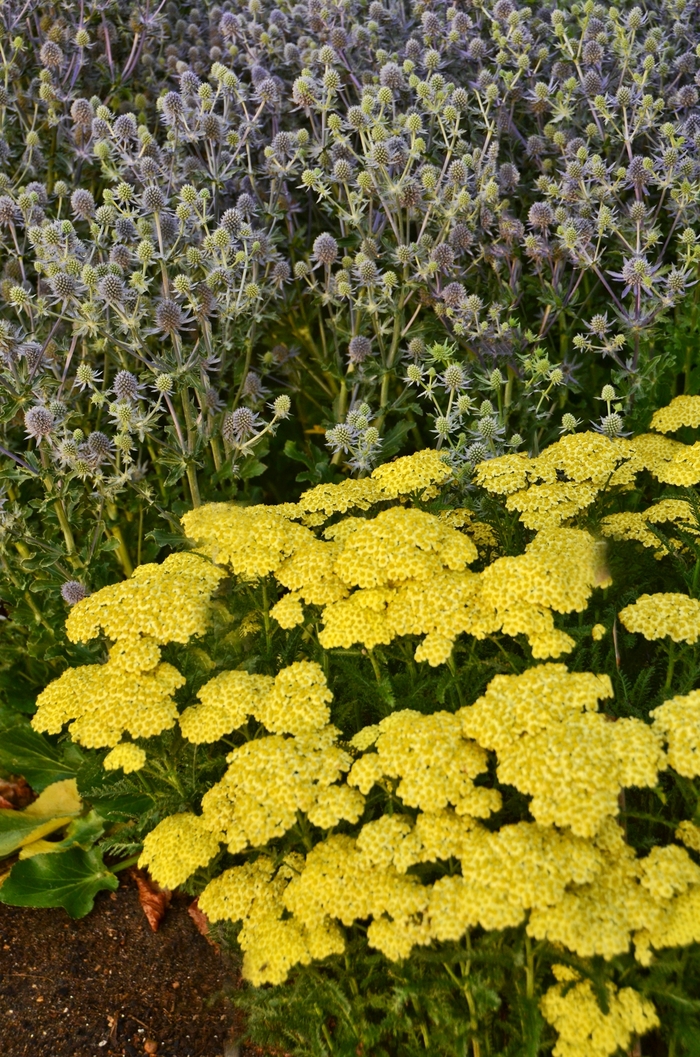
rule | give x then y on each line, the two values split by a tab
107	985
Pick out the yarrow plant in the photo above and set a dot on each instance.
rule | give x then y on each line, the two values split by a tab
450	748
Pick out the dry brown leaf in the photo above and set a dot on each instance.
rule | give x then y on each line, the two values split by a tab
201	922
15	793
154	900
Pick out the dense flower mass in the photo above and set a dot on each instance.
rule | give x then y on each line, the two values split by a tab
658	616
552	744
585	1029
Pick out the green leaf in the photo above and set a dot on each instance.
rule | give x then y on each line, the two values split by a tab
251	468
122	808
318	463
20	698
164	538
70	880
393	441
84	831
53	809
24	751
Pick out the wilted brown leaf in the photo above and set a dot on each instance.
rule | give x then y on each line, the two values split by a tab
154	900
201	922
15	793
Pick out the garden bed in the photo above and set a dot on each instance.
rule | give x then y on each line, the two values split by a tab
106	984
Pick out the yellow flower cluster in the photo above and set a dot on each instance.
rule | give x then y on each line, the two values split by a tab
404	571
689	834
127	756
134	690
421	474
226	702
570	874
667	460
295	701
668	614
480	532
101	701
435	765
591	896
164	603
582	886
583	1028
178	846
253	541
553	745
682	411
555	486
679	722
337	881
253	894
270	779
504	874
633	525
557	573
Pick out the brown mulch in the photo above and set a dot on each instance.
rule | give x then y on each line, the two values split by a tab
107	985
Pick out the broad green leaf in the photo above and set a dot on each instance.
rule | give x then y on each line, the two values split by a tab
251	468
83	831
24	751
56	806
70	880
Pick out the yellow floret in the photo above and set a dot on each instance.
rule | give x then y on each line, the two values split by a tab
667	614
689	833
127	756
583	1028
178	846
682	411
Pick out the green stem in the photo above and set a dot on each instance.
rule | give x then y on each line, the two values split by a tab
671	665
194	485
65	527
122	551
127	862
266	615
529	968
